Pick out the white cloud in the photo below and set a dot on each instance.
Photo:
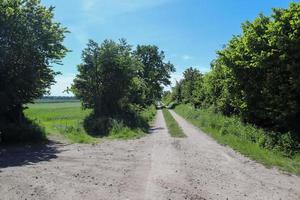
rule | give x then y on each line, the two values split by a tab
62	83
187	57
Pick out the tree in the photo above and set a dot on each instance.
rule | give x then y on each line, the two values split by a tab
106	77
30	42
264	62
190	76
177	91
155	72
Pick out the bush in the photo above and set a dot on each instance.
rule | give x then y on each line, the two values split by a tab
97	125
130	121
25	132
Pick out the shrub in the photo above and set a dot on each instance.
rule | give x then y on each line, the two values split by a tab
25	132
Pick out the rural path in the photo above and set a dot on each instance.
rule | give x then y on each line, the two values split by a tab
156	167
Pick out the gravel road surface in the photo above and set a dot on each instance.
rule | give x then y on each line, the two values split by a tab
156	167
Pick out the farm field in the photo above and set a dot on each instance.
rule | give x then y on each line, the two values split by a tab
61	120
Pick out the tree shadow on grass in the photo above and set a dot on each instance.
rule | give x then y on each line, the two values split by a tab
19	155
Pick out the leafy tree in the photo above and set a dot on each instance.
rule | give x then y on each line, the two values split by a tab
264	62
190	76
167	98
155	72
30	42
106	77
177	91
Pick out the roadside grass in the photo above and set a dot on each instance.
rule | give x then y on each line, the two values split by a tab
61	119
66	119
121	131
243	138
174	129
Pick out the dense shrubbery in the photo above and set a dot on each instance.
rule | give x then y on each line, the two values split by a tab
255	77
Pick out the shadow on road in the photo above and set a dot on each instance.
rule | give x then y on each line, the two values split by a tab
11	156
151	130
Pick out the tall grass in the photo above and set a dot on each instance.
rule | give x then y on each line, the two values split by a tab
245	138
173	127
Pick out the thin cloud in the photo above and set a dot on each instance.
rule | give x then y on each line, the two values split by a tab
187	57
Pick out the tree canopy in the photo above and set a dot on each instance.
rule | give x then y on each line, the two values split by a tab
116	81
256	76
30	42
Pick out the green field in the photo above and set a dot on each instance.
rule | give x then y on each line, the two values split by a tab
61	119
65	121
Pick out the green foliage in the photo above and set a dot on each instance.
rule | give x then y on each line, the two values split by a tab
121	131
66	120
246	138
26	132
117	83
105	77
155	72
148	113
255	77
173	127
190	76
263	62
30	42
167	98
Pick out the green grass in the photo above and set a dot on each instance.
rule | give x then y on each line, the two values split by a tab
61	119
66	119
173	127
120	131
241	137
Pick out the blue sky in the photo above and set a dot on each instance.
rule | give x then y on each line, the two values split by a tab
188	31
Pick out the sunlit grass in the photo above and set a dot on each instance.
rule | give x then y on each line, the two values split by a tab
173	127
64	119
241	137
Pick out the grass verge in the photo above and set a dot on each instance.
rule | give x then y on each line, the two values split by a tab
174	129
121	131
243	138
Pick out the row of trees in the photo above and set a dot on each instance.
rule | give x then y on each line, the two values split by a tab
256	76
117	82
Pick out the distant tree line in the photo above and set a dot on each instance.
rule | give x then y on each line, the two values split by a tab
56	99
256	76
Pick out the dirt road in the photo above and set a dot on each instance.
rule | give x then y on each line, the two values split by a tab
152	168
